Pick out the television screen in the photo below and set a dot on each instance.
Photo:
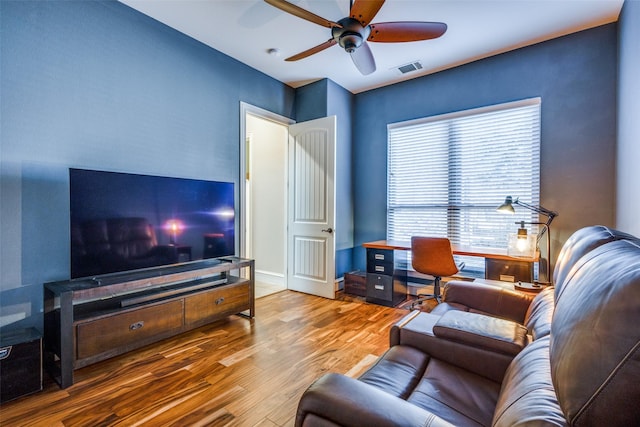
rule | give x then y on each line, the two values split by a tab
121	222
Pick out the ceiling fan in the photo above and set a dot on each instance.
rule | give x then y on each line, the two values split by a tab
353	32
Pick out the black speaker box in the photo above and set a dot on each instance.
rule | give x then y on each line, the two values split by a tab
20	363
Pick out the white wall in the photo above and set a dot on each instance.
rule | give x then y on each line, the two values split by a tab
628	193
267	189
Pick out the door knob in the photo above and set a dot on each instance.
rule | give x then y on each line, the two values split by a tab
328	230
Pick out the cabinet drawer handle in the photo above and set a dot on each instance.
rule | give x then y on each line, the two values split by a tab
379	287
136	325
219	301
379	257
379	268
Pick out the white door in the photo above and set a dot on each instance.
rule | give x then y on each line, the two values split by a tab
311	242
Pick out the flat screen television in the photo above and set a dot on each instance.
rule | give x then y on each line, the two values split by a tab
121	222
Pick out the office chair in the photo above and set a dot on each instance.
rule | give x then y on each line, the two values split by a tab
432	256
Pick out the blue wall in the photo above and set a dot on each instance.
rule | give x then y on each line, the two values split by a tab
98	85
576	78
326	98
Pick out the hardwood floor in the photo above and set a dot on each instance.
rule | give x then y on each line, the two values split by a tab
236	372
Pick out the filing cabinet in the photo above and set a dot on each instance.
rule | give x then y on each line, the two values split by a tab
386	276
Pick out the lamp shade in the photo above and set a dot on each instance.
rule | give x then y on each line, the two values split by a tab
507	206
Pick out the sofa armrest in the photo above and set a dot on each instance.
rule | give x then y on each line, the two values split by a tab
488	299
477	330
336	399
416	330
396	328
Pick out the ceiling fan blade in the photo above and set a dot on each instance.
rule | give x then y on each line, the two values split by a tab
391	32
313	50
363	59
302	13
365	10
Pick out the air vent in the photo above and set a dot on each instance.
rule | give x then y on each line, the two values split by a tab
413	66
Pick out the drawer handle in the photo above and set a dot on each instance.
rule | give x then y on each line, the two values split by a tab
379	268
379	256
379	287
219	301
136	325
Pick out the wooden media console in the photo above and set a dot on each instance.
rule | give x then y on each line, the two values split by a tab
92	319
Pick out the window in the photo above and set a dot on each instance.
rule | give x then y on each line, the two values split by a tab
448	173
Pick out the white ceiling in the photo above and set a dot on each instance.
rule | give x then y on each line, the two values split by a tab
247	29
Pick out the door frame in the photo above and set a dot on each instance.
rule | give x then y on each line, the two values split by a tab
262	114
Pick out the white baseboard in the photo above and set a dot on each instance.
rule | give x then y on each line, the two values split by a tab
270	278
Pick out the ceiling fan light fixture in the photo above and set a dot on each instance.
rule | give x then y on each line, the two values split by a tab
350	35
353	32
350	41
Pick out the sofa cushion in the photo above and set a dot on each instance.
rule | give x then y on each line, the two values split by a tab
491	333
456	395
338	400
398	371
595	346
527	396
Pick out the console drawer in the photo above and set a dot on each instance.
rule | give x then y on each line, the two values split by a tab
128	329
216	303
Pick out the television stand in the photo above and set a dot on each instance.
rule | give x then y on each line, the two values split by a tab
96	318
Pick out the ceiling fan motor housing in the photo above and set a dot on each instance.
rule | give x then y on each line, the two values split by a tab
351	35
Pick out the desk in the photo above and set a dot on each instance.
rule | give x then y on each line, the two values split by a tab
387	277
486	253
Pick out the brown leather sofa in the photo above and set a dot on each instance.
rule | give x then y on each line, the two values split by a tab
490	356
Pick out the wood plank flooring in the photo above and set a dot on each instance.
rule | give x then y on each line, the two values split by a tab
236	372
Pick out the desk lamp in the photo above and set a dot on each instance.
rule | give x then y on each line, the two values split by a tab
507	207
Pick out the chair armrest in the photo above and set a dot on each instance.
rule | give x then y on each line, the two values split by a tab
488	299
336	399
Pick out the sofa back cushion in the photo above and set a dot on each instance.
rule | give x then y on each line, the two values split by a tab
595	338
580	243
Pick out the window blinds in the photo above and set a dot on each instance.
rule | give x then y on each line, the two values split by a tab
448	173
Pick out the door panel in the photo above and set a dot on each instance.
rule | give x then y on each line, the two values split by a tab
310	258
311	266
